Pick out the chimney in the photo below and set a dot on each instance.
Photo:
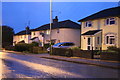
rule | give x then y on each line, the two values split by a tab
27	29
55	20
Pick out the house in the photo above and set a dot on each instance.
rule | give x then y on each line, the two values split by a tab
22	36
100	30
63	31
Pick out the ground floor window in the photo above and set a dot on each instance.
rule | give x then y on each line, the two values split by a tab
110	39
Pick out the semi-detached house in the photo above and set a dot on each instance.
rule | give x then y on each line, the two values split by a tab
100	30
62	31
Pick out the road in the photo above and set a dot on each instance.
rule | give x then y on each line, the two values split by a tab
26	66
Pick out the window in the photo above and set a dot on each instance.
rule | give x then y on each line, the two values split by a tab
110	39
89	41
68	44
110	21
33	33
98	40
88	24
48	32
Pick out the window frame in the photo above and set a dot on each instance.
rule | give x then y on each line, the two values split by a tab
88	23
108	21
47	31
98	40
108	39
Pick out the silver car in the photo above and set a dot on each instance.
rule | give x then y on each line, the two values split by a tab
62	45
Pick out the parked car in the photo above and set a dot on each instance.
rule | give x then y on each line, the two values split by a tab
62	45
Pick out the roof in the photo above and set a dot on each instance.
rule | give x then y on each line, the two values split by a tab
24	32
62	24
22	41
91	32
33	38
111	12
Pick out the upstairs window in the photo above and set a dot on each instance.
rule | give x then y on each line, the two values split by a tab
47	31
88	24
33	33
110	21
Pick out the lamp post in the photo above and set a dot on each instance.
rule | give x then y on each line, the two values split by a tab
51	27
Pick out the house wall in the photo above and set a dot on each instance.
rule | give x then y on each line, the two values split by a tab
109	29
96	45
37	34
100	24
119	32
64	35
85	29
19	38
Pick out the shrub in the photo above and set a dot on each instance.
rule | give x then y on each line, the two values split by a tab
10	47
34	44
75	48
37	50
29	48
113	48
22	47
46	45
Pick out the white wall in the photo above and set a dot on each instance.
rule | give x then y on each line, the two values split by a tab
65	35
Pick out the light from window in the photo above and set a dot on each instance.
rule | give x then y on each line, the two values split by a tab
110	21
34	33
88	24
48	32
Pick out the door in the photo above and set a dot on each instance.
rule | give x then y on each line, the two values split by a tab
89	44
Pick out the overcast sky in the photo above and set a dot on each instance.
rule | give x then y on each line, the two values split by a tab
18	14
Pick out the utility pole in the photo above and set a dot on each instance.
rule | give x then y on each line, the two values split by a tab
50	27
0	25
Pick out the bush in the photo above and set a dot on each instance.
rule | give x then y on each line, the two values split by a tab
75	48
29	48
34	44
46	45
113	48
110	56
22	47
62	52
10	47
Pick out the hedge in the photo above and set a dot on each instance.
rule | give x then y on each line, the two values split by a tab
73	52
29	48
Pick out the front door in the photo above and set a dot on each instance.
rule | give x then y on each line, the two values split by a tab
89	44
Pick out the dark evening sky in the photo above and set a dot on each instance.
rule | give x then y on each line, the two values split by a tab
18	14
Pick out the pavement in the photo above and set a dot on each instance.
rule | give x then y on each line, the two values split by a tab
78	60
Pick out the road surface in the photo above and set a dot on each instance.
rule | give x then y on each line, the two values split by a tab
26	66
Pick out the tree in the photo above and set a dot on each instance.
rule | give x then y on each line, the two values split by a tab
7	36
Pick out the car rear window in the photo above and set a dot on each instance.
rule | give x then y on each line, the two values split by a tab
68	44
57	44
